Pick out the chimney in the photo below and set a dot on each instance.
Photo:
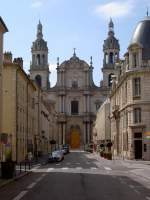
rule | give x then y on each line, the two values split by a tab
18	61
8	57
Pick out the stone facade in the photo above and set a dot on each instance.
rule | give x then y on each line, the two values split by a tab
3	29
102	132
75	96
130	98
26	119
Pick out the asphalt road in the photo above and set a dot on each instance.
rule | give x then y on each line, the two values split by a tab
78	177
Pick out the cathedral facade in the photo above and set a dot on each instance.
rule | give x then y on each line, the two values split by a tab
75	96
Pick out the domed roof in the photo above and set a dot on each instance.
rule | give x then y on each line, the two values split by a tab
111	43
141	36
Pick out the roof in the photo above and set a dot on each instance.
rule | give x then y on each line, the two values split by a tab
141	36
3	24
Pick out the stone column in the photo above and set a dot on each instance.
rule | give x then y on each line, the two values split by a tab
88	132
84	137
59	133
64	130
85	104
88	104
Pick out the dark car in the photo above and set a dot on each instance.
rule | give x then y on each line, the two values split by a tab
65	147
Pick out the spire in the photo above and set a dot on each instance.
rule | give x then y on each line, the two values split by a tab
74	52
57	61
111	28
91	61
147	12
39	30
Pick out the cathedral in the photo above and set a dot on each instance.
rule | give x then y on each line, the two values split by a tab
75	96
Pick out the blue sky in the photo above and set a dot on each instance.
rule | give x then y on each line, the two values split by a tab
82	24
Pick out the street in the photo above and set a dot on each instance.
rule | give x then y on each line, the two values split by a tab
79	177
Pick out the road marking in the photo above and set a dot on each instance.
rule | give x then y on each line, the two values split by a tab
64	168
36	167
93	168
107	168
20	195
148	198
78	168
50	169
31	185
136	191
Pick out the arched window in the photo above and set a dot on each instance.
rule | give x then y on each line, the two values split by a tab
38	59
116	56
110	80
106	58
43	58
74	107
111	58
38	80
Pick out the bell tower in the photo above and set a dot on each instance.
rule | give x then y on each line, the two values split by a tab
111	50
39	68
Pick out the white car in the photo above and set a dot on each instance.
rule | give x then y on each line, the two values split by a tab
56	156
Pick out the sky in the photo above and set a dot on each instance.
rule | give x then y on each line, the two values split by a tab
68	24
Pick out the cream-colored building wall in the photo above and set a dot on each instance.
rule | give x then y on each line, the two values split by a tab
9	105
127	103
102	123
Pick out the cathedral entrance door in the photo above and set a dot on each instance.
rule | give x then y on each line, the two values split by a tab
75	139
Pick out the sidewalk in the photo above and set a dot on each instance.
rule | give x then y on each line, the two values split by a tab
139	168
41	161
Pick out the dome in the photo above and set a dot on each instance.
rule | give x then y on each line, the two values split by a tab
141	36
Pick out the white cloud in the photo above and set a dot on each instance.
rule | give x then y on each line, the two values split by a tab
36	4
52	67
115	9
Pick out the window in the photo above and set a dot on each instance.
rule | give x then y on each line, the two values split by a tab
138	135
38	59
111	58
97	106
137	115
43	59
136	87
38	80
74	107
134	57
110	80
106	58
74	84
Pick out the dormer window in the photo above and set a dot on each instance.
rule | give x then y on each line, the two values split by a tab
135	59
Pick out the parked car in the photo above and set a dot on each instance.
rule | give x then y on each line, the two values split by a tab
64	151
66	148
56	156
89	147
